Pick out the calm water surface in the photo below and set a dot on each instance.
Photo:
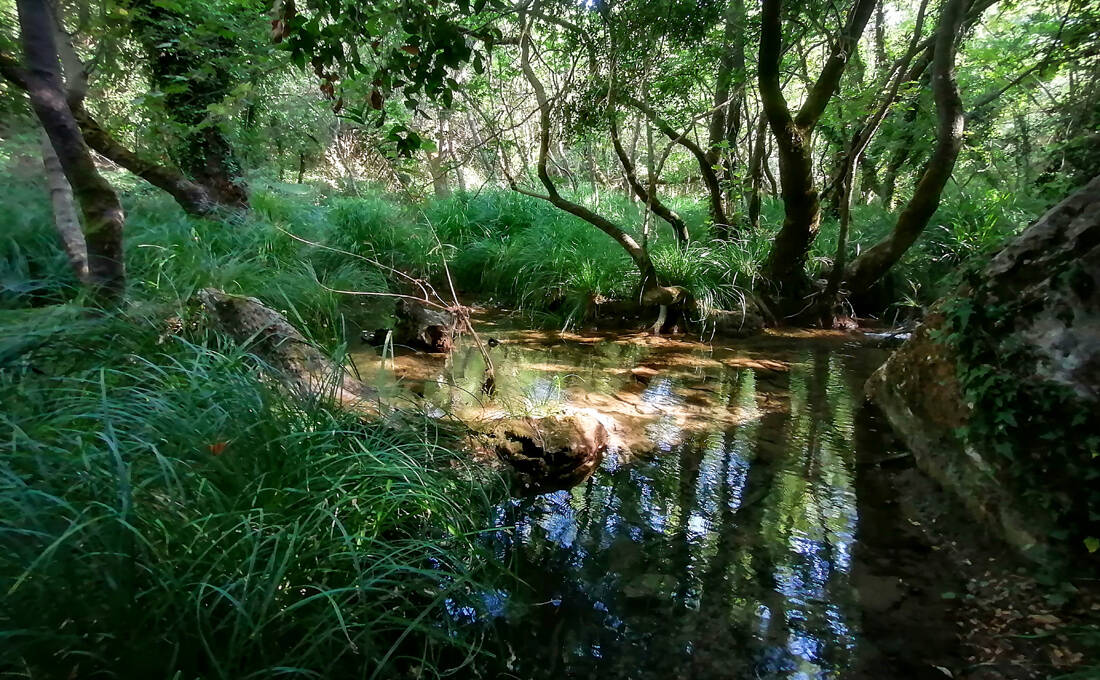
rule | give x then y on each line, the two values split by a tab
715	541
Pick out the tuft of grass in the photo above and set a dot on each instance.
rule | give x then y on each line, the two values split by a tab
33	268
167	511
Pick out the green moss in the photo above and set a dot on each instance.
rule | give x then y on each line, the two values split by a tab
1042	438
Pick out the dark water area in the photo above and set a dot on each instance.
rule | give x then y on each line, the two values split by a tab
716	542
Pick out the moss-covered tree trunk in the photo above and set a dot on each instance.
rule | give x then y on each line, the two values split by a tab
192	79
103	216
64	212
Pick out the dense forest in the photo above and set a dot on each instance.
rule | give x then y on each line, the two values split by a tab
322	322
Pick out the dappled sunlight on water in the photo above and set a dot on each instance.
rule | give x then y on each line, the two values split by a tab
717	544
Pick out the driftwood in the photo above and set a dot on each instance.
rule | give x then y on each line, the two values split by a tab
268	334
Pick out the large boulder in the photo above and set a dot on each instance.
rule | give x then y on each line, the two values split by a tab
996	394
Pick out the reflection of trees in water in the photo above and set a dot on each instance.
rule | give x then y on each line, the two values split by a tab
523	378
808	526
724	558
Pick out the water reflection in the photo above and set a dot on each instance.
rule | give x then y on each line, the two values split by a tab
723	554
717	545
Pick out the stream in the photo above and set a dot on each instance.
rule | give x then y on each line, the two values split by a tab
716	539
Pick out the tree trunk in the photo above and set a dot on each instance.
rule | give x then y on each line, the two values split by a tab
268	335
756	171
64	212
868	178
880	36
204	153
728	93
786	264
194	198
875	262
440	185
103	216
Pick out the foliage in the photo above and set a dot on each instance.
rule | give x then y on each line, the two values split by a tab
1043	439
968	226
166	509
407	48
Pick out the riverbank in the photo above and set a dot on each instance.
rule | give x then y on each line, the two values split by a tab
944	598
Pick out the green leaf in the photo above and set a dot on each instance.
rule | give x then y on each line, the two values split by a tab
1092	544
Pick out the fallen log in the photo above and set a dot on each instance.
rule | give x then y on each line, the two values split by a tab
267	334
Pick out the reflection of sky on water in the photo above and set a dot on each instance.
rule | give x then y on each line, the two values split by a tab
734	545
659	396
543	395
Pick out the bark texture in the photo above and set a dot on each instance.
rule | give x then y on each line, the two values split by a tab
649	198
203	153
638	254
706	168
103	216
194	198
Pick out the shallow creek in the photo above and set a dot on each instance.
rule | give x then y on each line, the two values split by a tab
715	541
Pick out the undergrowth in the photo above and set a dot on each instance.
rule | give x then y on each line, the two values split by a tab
166	510
307	254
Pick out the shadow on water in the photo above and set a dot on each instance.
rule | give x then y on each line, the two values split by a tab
723	552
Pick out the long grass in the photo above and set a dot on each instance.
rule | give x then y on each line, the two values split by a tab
500	246
167	511
967	225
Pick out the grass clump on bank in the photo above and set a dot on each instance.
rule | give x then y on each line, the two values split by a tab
166	510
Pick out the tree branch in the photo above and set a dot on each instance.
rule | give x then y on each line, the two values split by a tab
655	205
829	79
637	253
706	168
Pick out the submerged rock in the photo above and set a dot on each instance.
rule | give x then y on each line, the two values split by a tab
547	453
996	394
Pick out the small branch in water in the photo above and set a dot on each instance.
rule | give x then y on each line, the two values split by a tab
428	303
887	459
